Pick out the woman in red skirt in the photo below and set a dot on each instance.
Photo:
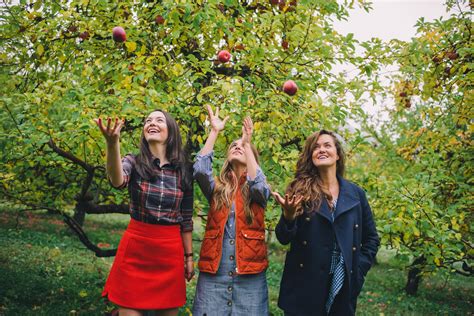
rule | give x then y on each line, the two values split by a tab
148	271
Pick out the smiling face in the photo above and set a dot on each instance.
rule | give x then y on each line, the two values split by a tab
236	153
325	153
155	128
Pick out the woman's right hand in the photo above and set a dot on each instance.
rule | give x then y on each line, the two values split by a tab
217	124
111	134
289	205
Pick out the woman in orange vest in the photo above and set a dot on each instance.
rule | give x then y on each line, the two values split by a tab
233	256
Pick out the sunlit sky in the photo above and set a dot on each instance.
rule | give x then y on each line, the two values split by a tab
390	19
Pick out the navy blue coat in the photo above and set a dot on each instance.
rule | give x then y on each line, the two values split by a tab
305	282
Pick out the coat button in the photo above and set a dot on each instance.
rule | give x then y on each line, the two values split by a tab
305	242
231	273
301	265
356	226
351	271
307	219
229	303
231	257
354	248
232	241
229	289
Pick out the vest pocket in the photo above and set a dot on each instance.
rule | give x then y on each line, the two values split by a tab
253	246
209	245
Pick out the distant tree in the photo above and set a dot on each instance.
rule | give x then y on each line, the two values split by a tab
419	165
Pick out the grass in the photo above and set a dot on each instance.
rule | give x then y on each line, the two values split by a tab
45	270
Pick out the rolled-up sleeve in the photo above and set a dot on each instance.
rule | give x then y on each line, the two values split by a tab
128	162
202	173
187	210
258	187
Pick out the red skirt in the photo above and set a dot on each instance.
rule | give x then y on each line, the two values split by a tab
148	270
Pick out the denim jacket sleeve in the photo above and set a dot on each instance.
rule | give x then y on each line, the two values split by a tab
259	190
202	173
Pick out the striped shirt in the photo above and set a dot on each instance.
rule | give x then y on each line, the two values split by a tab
160	200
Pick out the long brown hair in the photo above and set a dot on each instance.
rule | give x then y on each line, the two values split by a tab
307	181
175	154
227	183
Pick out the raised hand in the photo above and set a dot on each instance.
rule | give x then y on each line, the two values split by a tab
289	205
247	130
111	134
216	123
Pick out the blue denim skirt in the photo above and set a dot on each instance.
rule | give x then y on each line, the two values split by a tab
227	293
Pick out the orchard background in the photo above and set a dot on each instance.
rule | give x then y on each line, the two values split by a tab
61	68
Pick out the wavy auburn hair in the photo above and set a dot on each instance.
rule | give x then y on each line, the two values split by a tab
175	154
226	185
307	181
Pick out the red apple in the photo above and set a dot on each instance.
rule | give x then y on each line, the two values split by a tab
118	34
285	45
159	19
274	2
452	55
290	87
282	4
72	28
223	56
84	35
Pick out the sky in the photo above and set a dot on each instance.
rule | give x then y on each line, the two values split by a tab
387	20
390	19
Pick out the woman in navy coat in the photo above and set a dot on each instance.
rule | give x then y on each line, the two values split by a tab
328	222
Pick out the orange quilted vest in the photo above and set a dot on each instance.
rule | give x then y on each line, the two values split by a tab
250	246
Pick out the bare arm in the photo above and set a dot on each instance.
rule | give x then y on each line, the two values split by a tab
217	125
188	259
114	162
252	165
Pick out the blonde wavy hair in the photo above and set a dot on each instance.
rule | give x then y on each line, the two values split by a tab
307	181
226	185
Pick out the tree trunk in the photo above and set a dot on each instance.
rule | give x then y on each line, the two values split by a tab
414	276
79	215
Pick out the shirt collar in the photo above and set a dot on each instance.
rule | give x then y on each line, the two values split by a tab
169	165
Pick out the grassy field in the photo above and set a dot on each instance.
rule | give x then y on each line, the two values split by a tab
45	270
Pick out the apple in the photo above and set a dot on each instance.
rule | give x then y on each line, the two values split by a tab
285	45
159	19
118	34
436	59
239	47
290	87
452	55
223	56
72	28
274	2
282	4
84	35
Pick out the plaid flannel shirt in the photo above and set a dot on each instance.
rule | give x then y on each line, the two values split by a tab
160	200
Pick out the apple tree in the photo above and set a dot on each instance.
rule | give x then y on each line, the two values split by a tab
62	67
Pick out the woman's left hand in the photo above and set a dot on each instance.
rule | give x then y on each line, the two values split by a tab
188	269
247	130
